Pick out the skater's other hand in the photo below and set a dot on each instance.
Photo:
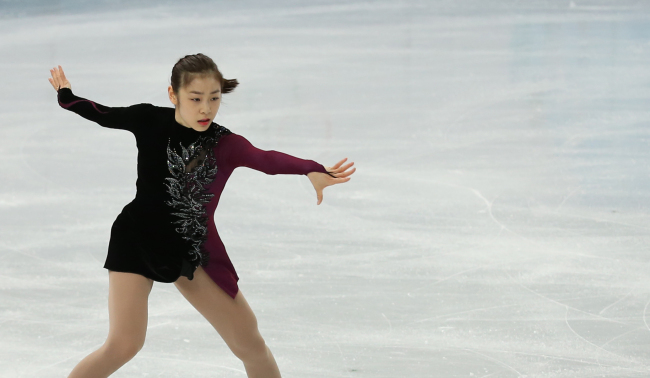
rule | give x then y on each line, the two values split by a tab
58	79
321	180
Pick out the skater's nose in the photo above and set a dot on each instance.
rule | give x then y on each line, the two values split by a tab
205	108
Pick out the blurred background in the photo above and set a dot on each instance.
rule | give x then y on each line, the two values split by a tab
497	224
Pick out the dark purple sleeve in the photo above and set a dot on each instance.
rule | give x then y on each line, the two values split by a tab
126	118
237	151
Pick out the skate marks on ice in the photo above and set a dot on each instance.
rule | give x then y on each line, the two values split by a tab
497	226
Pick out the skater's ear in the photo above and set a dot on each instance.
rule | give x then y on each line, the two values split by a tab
172	96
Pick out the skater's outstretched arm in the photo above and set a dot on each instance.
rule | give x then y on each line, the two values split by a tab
126	118
239	152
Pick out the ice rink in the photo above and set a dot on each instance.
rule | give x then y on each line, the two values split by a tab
497	225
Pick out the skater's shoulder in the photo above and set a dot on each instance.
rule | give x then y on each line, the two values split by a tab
144	108
159	114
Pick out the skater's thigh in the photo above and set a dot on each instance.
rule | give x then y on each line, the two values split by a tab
232	318
128	294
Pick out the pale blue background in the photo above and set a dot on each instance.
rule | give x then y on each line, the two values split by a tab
497	225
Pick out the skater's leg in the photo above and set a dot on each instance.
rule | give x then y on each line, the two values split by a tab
234	320
127	313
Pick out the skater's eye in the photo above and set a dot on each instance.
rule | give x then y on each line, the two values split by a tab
215	98
197	99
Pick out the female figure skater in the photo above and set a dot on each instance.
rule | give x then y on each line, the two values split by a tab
167	233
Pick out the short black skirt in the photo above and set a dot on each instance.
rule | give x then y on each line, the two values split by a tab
144	241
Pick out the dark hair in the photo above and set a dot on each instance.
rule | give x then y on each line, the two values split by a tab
191	66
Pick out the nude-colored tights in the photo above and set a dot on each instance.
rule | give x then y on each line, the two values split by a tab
127	307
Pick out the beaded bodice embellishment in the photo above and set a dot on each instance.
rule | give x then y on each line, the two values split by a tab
191	171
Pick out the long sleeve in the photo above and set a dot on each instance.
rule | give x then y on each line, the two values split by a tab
126	118
237	151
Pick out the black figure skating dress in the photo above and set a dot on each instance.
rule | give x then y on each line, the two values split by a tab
168	230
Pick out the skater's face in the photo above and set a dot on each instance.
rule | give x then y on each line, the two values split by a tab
197	103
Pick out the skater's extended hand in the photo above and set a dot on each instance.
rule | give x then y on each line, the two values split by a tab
322	180
58	79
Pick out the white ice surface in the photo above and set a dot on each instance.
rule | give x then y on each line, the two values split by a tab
497	225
